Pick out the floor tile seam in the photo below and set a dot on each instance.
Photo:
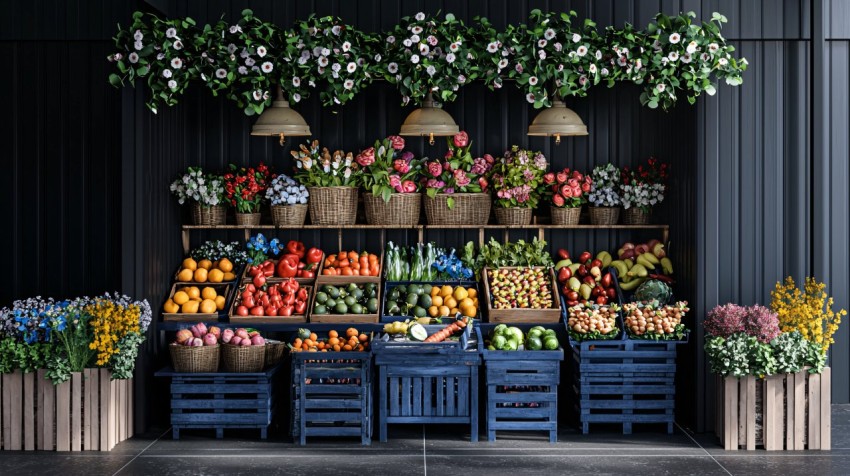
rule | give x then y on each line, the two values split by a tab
141	452
706	451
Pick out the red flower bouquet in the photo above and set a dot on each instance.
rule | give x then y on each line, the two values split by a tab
244	187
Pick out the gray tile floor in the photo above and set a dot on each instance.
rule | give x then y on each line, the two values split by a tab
417	450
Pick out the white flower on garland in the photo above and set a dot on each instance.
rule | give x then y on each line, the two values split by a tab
323	61
642	195
723	61
549	34
692	47
171	32
346	46
258	95
172	84
431	70
660	88
296	97
348	84
296	81
420	16
242	70
138	36
261	51
503	63
166	73
674	38
351	67
178	45
391	39
581	51
336	30
450	58
133	57
529	97
221	73
541	43
686	58
576	37
492	47
713	47
392	68
176	63
673	56
267	67
533	80
414	59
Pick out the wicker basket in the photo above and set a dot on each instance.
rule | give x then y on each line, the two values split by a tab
469	209
248	219
187	359
604	215
333	205
289	215
274	352
513	216
243	359
402	209
566	216
214	215
635	216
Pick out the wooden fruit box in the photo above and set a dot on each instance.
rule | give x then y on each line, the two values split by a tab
238	271
336	280
344	318
245	278
522	316
293	319
390	285
226	290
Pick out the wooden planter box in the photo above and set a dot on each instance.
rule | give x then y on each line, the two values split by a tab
89	412
791	410
522	316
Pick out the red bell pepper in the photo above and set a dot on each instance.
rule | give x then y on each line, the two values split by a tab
300	307
290	286
287	267
288	299
285	311
306	274
314	255
302	294
296	248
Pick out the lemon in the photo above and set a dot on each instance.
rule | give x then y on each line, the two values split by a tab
170	307
460	293
472	292
201	275
205	264
185	275
215	276
437	301
208	293
190	307
208	306
229	277
219	303
446	291
190	264
180	298
193	292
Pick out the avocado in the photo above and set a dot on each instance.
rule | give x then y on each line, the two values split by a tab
332	291
426	289
372	305
393	295
419	311
320	309
412	299
341	308
321	297
356	309
349	301
330	303
402	289
358	294
392	308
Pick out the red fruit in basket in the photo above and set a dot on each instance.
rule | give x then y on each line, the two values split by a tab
242	311
247	294
235	340
242	333
564	275
611	293
302	294
274	290
607	280
314	255
599	291
571	296
259	280
197	342
248	302
288	299
290	286
210	339
258	340
585	257
602	300
264	301
245	342
597	263
563	254
268	269
215	331
589	280
582	271
250	288
257	311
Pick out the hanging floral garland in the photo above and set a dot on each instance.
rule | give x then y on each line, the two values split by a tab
548	57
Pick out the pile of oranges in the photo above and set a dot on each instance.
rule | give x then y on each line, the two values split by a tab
192	300
352	263
206	271
448	301
353	341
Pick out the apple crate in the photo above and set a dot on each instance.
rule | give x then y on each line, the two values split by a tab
332	396
390	285
372	318
226	290
238	320
523	316
522	388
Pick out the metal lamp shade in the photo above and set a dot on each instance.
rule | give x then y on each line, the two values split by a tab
429	120
280	120
558	120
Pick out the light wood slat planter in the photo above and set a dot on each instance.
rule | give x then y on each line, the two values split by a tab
87	413
794	412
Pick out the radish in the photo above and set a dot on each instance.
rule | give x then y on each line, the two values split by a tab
195	331
202	328
245	342
227	335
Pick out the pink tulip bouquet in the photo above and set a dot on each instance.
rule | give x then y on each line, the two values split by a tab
457	171
387	168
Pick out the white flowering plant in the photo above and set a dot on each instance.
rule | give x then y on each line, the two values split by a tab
284	190
341	56
426	54
644	187
684	56
323	169
196	186
161	52
606	181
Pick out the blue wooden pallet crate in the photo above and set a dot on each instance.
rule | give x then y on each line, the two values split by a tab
428	385
642	398
332	395
625	357
522	389
221	401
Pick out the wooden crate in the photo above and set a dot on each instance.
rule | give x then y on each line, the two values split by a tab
322	405
795	411
380	345
344	318
522	389
222	289
245	278
238	271
240	320
522	316
89	412
427	388
337	280
221	400
625	357
389	285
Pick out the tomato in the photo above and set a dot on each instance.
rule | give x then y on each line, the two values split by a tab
602	300
342	255
248	301
242	311
251	288
300	307
343	263
347	272
259	280
257	311
247	294
352	255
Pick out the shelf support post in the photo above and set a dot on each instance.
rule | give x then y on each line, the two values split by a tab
185	236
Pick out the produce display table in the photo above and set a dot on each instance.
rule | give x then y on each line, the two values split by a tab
522	389
221	400
426	386
332	396
625	382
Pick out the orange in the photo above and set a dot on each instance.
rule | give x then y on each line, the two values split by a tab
351	332
346	347
170	307
190	264
225	265
465	302
437	301
460	293
229	276
219	303
333	334
450	302
435	290
190	307
180	297
201	275
472	293
433	311
208	293
468	310
205	264
363	337
215	276
446	291
193	292
337	348
333	341
207	306
444	311
314	337
453	311
185	275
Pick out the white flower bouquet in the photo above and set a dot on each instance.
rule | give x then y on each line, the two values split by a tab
606	184
206	190
286	191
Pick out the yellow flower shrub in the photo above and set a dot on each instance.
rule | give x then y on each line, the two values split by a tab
111	322
808	310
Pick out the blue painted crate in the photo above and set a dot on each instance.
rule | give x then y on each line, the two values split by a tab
642	398
332	396
389	285
221	401
428	388
625	357
522	389
620	336
380	345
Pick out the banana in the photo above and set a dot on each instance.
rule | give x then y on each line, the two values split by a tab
631	286
621	267
605	257
641	260
638	270
667	265
651	258
629	263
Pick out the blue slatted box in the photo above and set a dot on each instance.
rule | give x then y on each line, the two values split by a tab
522	388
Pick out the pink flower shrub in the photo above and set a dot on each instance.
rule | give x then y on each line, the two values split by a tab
726	320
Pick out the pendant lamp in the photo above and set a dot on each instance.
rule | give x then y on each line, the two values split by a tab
557	120
280	120
429	120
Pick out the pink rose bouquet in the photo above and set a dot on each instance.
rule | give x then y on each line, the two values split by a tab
518	178
457	171
569	188
388	169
